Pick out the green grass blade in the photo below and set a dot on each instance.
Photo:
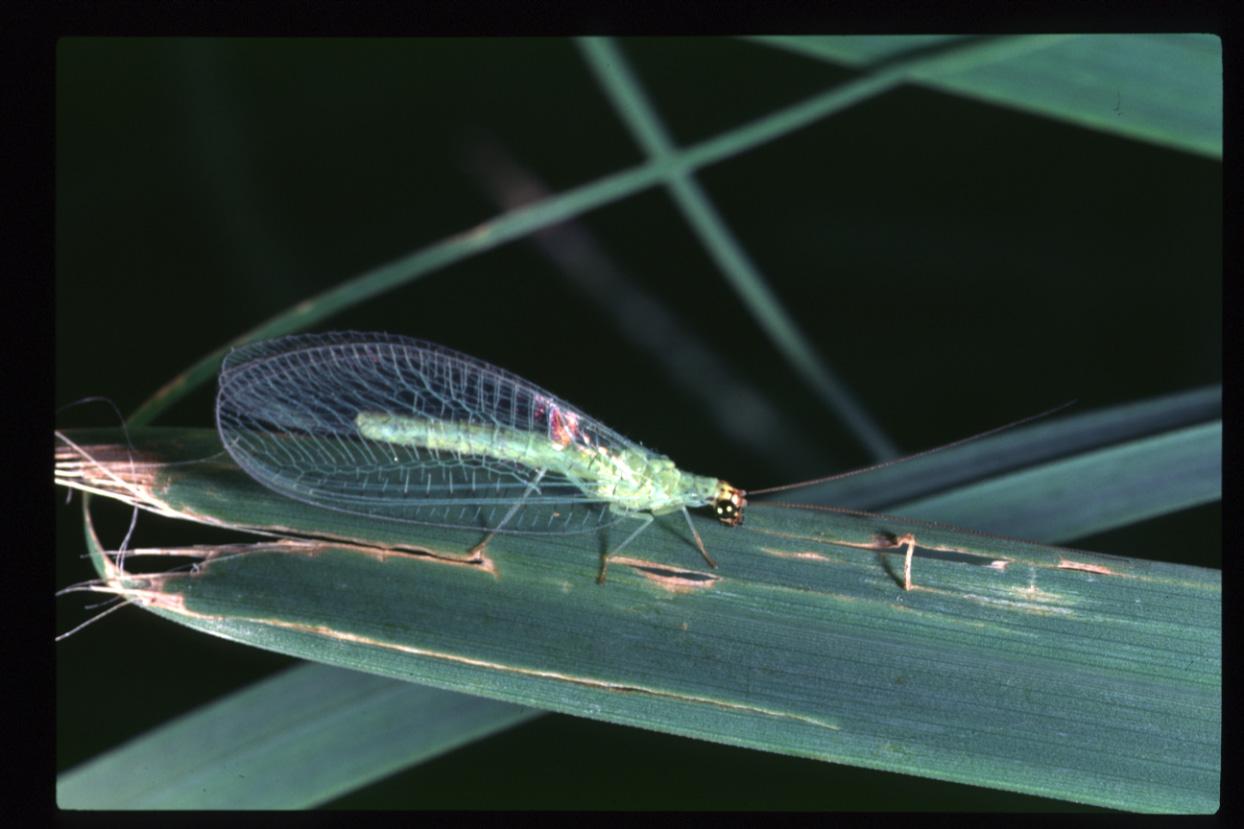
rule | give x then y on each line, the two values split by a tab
1021	450
631	102
1113	487
493	233
1163	88
201	780
310	733
1087	678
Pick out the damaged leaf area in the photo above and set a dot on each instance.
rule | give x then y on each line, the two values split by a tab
1012	664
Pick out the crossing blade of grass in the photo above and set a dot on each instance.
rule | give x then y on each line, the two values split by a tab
1087	678
517	223
630	101
767	432
1163	88
291	732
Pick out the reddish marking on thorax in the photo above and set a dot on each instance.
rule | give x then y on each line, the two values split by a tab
563	425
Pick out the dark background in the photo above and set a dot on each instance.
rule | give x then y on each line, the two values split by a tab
960	265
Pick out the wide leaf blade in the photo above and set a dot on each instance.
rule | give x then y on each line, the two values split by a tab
1087	678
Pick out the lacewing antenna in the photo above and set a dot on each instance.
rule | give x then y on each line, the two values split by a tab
908	540
852	473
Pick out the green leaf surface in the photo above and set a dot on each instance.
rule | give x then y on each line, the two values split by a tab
1088	678
309	733
1163	88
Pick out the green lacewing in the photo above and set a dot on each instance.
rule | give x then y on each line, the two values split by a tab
406	430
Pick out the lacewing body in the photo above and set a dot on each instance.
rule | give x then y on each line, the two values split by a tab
409	431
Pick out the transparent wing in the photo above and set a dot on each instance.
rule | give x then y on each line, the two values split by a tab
287	411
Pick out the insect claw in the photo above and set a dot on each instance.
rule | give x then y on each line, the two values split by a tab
704	552
478	550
